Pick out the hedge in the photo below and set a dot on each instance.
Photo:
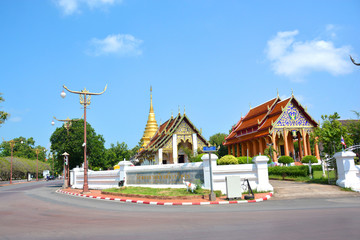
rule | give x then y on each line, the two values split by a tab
21	166
197	158
243	160
227	160
294	171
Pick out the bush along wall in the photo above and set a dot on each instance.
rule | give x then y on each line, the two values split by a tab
244	160
227	160
21	167
293	171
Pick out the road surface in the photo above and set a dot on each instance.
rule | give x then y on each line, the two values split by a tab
35	211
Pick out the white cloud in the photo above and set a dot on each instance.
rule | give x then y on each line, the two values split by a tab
120	44
73	6
15	119
295	59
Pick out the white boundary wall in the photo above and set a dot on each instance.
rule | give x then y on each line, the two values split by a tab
348	172
257	174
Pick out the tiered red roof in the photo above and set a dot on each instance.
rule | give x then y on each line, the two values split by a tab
259	120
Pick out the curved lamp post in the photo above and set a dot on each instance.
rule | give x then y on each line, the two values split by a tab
37	151
85	100
357	64
12	144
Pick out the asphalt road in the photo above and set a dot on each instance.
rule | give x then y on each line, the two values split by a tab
35	211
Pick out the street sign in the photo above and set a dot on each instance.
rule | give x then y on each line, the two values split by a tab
209	149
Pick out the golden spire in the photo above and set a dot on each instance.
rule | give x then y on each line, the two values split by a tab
151	125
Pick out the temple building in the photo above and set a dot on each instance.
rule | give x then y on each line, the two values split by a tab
280	123
167	144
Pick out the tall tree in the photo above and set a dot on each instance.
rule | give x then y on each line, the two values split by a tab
330	134
117	153
3	115
217	140
72	143
23	148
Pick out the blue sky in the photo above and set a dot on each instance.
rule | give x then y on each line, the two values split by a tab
216	58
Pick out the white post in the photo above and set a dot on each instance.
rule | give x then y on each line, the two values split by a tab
175	150
195	146
347	171
206	168
263	183
160	156
123	166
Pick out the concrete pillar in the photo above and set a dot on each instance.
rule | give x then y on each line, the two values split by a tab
262	173
194	145
248	150
175	149
160	156
206	169
305	143
273	139
300	145
243	149
238	149
308	144
123	166
317	153
286	142
348	172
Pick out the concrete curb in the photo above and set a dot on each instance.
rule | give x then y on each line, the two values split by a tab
167	203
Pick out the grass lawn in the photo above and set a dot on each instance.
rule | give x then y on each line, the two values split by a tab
317	177
159	191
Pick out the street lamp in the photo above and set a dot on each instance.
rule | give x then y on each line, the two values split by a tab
85	99
67	123
12	144
37	151
66	165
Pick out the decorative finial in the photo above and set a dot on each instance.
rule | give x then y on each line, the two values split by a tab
184	109
277	90
151	104
305	108
172	114
179	109
250	105
200	130
292	93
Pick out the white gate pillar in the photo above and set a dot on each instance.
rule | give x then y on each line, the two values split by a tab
347	171
262	173
206	168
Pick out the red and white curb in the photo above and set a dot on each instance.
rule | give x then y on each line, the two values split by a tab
167	203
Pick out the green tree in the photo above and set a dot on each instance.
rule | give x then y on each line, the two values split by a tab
72	143
217	140
117	153
354	129
330	134
3	115
23	148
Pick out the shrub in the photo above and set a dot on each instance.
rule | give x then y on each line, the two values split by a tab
227	160
285	159
197	158
294	171
243	160
316	167
308	159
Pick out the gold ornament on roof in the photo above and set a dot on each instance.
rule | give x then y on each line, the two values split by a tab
151	125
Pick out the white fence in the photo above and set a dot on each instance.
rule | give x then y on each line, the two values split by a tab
171	175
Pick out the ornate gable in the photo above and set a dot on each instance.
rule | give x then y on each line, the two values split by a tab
292	117
184	128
